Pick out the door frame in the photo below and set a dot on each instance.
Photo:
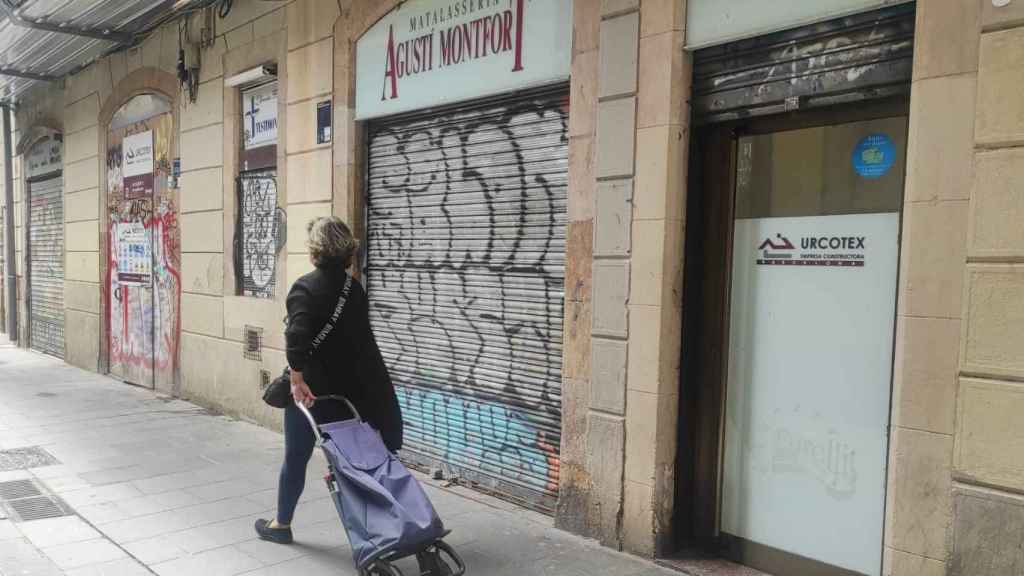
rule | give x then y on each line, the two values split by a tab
706	319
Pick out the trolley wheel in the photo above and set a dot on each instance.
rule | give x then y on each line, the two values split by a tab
433	563
381	569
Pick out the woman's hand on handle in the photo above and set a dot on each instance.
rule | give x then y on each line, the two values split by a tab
300	390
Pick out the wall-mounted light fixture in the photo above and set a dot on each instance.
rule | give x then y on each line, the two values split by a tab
252	76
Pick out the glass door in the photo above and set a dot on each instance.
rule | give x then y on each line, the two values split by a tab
810	343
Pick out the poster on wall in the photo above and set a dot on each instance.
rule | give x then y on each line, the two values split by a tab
431	52
810	363
134	255
137	165
259	116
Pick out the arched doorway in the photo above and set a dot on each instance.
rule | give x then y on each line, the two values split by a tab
45	278
143	244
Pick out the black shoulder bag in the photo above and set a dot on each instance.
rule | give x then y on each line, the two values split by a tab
279	392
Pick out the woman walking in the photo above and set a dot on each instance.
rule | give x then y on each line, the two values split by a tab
347	362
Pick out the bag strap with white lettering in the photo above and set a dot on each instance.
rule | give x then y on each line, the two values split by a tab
333	320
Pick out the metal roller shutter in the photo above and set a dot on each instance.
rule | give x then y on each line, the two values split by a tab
859	57
46	267
466	273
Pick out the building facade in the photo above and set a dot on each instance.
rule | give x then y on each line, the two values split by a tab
683	275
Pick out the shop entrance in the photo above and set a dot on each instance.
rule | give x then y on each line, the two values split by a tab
794	203
787	410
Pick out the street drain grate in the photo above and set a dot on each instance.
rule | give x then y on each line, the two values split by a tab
22	458
17	489
38	508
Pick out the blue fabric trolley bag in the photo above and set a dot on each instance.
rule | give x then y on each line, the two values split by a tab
386	513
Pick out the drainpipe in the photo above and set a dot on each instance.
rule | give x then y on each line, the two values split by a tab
10	270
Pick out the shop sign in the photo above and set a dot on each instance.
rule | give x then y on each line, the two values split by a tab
819	249
134	256
44	157
259	116
137	165
711	22
431	52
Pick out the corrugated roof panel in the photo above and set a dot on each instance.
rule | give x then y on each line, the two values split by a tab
96	14
57	54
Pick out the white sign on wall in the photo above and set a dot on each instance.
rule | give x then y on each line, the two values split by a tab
259	116
137	165
44	157
431	52
710	22
810	363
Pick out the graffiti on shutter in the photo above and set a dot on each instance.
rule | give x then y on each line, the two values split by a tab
46	267
466	259
260	234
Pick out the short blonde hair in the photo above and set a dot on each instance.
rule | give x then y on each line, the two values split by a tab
330	242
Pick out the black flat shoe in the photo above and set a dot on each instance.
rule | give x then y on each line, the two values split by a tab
276	535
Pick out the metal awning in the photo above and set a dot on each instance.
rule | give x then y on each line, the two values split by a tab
45	40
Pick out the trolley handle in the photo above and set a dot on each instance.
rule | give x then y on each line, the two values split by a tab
312	422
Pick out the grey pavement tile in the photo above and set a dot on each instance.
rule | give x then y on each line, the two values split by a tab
19	556
229	489
270	553
57	531
81	554
317	563
8	531
96	494
202	538
70	483
115	475
122	567
154	550
220	562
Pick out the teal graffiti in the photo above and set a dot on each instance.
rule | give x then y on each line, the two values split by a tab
495	439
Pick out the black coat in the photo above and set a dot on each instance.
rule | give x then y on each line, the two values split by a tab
348	362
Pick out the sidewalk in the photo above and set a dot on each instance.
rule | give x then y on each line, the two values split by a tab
154	485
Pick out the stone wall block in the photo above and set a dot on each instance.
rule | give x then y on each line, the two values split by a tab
613	7
202	190
605	445
82	339
946	38
310	176
934	254
310	21
202	314
925	374
998	17
618	55
202	232
993	336
616	137
583	94
664	83
919	497
658	16
202	273
989	445
986	534
582	172
1000	110
997	206
613	218
81	175
310	71
611	294
202	148
608	387
940	154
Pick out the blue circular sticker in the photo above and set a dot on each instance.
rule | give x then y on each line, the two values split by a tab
874	156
